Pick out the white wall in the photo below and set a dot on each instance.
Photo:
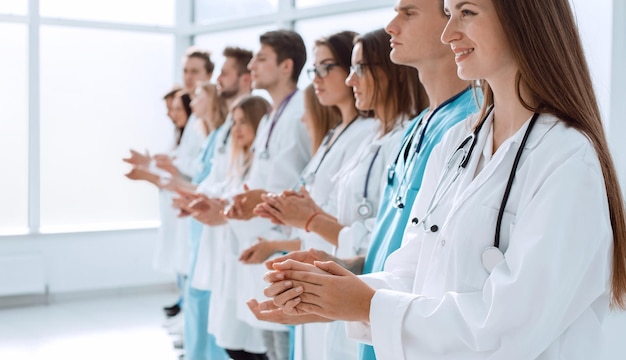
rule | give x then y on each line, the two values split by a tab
617	126
90	261
604	40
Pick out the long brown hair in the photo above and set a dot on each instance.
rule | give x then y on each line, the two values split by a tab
405	95
253	108
324	117
553	68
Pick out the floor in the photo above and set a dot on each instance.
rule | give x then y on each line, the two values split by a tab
121	327
126	327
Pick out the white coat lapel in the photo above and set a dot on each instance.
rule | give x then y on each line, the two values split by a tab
469	185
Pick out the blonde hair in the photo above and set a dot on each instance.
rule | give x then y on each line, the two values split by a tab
218	110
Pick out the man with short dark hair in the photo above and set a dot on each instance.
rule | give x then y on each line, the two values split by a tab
234	79
281	151
197	67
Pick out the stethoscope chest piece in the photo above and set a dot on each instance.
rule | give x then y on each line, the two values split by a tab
264	155
364	210
491	257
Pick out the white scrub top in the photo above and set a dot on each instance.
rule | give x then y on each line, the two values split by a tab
212	186
190	147
546	300
289	151
354	237
322	189
230	332
172	248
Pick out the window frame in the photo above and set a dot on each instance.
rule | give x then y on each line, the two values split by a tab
184	32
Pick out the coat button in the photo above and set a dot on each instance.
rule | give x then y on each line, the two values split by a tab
415	221
434	228
443	242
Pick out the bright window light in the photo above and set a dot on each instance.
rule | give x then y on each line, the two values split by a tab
14	128
101	94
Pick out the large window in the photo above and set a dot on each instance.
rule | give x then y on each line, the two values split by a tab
310	3
14	129
149	12
13	7
100	95
247	38
214	11
93	74
360	22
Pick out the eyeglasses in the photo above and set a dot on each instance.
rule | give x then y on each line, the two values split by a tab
320	70
358	68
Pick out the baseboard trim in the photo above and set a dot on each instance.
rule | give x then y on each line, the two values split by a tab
48	298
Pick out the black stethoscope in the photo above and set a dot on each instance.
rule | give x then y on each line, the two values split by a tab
265	153
364	209
491	255
310	178
222	148
401	190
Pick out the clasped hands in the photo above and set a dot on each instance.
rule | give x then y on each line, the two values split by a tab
141	169
290	208
209	211
306	287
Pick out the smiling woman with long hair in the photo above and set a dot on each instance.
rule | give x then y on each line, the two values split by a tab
517	238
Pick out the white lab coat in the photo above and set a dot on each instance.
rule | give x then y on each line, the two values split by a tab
166	243
212	186
289	151
354	237
172	247
310	339
230	332
545	301
187	154
323	190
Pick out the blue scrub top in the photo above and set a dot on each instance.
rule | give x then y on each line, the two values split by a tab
206	156
206	161
391	221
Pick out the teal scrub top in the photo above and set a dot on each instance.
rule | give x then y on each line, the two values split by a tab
206	161
391	221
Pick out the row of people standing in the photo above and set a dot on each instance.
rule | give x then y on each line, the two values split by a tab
343	218
345	174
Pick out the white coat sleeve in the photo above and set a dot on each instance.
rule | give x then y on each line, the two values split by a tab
556	267
403	262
